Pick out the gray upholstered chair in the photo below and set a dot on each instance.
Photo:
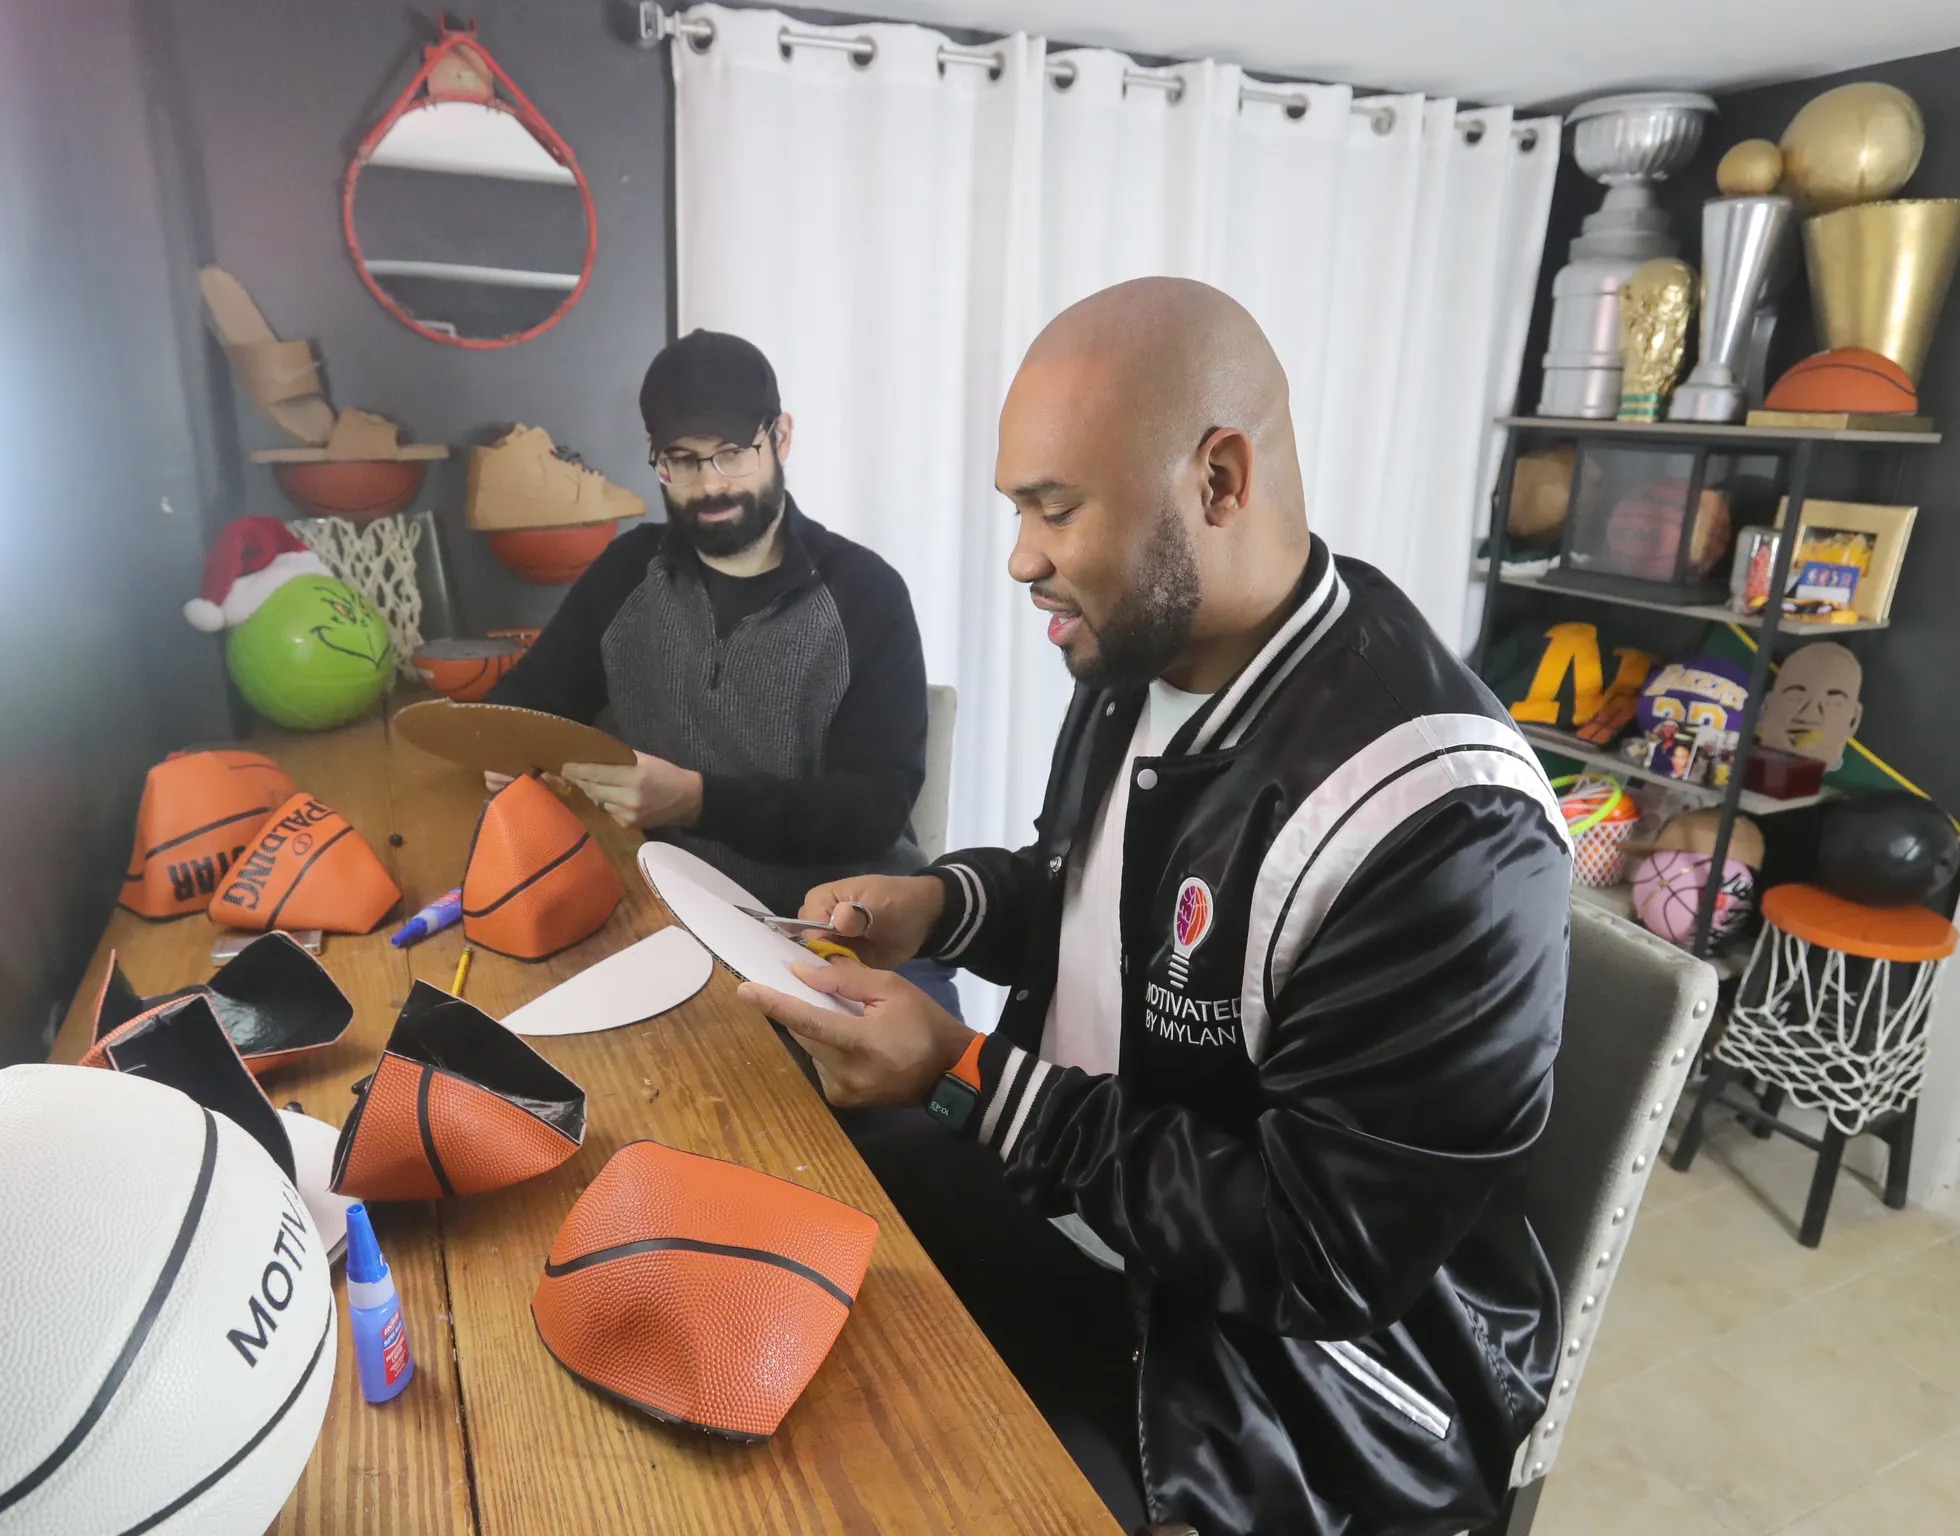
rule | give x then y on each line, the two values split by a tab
929	810
1636	1009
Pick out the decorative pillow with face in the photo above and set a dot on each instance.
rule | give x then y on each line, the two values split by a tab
1813	707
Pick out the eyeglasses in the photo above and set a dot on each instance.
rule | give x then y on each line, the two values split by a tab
681	468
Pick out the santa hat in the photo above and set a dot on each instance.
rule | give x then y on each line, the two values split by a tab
251	558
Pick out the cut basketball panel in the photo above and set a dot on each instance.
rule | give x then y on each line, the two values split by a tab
198	812
699	1291
536	883
273	999
458	1105
307	868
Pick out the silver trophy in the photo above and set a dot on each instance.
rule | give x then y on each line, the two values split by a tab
1746	257
1629	143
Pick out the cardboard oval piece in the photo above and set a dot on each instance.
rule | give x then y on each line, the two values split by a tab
501	738
705	902
643	980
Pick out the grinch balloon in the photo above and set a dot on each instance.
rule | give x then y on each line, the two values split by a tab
313	656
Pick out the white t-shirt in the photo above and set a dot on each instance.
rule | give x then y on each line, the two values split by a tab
1085	1015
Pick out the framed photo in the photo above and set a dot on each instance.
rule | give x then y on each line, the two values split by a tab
1854	544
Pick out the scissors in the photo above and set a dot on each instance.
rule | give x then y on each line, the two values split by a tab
822	939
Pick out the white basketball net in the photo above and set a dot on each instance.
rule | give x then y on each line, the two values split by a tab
1855	1050
377	561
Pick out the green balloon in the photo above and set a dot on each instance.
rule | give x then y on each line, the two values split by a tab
314	656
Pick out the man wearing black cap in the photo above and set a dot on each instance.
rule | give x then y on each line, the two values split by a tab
766	672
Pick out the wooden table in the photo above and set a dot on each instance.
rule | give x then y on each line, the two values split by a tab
912	1425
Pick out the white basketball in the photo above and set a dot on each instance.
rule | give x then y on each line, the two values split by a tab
167	1326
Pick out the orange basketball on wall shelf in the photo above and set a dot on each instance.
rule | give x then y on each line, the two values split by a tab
360	490
466	670
1846	379
1643	532
551	557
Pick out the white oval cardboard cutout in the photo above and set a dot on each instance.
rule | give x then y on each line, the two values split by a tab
704	901
660	972
313	1146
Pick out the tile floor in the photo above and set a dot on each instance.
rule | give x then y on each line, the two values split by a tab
1745	1386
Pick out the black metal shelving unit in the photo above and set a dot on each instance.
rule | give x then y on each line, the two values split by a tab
1795	452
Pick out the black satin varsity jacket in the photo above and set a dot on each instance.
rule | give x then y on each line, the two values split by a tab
1344	909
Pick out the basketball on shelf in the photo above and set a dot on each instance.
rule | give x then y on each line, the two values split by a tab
1667	889
360	490
1854	379
169	1344
465	670
1643	532
551	557
313	656
1886	850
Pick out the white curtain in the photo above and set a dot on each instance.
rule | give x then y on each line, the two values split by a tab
892	233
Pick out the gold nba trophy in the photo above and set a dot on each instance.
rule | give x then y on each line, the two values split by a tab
1654	308
1879	268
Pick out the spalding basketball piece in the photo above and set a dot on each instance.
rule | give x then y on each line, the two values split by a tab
465	670
700	1292
359	490
169	1341
536	882
1667	888
551	557
307	868
1886	850
457	1105
1853	379
199	810
1643	532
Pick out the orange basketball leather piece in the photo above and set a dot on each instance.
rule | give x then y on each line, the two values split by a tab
199	810
457	1105
181	1044
698	1291
536	882
1846	379
465	670
307	868
273	999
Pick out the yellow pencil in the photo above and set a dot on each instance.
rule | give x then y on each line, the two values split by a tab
462	971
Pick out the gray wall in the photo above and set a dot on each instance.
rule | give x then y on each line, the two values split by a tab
1912	701
99	400
278	94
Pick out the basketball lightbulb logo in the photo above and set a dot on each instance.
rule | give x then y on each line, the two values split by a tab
1190	925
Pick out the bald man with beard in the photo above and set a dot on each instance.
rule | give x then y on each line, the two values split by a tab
1236	1185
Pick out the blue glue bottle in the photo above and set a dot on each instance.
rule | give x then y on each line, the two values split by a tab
380	1337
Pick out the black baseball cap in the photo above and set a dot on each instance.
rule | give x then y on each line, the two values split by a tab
708	384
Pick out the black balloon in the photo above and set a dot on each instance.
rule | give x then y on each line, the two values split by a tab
1887	850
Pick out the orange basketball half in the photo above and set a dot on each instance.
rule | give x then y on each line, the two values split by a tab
536	882
1846	379
199	810
457	1105
307	868
698	1291
466	670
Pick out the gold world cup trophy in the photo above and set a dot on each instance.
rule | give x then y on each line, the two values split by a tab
1655	306
1879	268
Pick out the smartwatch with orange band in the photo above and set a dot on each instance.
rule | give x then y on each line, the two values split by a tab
958	1092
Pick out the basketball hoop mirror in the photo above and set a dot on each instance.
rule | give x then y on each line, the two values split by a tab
466	214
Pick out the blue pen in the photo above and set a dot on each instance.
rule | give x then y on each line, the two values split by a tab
381	1354
433	918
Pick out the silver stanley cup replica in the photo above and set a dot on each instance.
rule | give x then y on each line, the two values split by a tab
1747	253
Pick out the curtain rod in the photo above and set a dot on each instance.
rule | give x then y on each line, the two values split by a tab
656	23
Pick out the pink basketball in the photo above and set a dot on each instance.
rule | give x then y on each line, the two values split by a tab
1667	887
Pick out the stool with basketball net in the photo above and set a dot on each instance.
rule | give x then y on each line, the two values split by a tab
1832	1016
